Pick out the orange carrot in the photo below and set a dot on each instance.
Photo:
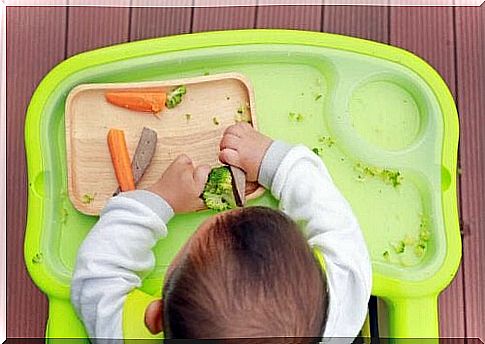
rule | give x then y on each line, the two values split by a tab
121	159
138	100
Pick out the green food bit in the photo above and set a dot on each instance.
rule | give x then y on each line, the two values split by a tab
298	117
399	247
318	97
240	110
409	240
242	118
327	141
317	151
392	177
188	116
37	258
174	98
64	215
420	249
215	121
87	198
386	255
388	176
424	232
424	235
206	73
218	193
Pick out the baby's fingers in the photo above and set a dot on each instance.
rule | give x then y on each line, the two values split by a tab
201	173
182	160
230	157
229	141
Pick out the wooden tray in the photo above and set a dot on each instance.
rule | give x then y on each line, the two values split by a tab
212	102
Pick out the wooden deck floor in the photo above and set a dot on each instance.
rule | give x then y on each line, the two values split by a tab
450	39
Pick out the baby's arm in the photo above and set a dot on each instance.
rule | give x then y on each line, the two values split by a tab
299	179
117	254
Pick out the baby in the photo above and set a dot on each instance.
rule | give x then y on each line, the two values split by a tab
246	273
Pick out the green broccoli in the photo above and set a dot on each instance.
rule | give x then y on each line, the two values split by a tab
175	97
218	193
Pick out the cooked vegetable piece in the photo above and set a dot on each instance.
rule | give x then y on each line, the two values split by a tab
121	159
138	100
174	98
218	192
87	198
293	116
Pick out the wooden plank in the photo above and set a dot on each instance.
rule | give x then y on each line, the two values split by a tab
36	42
369	22
149	22
470	33
289	17
223	18
429	33
95	27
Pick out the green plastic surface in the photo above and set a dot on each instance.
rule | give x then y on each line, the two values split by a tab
365	106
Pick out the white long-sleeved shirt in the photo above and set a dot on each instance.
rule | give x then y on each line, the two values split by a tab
117	253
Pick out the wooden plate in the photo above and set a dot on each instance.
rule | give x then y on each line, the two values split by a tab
194	127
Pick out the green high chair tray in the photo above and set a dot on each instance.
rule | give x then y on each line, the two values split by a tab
382	120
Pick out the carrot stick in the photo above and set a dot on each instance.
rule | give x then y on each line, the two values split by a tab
138	100
121	159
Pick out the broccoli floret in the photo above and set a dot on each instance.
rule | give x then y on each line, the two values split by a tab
175	97
218	193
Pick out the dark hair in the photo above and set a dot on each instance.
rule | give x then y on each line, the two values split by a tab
252	274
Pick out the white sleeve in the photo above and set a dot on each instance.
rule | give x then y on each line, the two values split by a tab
114	257
300	180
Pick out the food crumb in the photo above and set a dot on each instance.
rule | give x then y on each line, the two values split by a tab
88	198
327	141
318	97
399	247
392	177
317	151
215	121
293	116
37	258
64	216
386	255
188	116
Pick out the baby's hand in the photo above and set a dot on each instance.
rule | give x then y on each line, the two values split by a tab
181	185
242	146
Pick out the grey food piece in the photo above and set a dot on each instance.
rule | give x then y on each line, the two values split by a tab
143	154
238	185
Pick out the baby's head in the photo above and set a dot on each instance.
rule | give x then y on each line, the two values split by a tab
245	273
